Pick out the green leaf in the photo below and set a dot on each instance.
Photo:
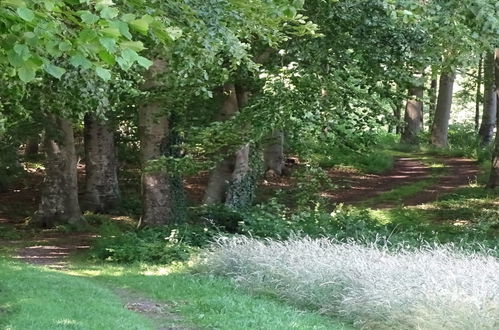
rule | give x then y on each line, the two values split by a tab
128	17
109	13
127	59
15	59
144	62
26	73
298	3
54	70
289	12
87	17
104	74
133	45
80	61
111	32
64	46
174	32
107	57
109	44
22	50
25	13
141	25
49	5
130	55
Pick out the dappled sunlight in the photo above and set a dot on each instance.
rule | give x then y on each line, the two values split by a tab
97	270
162	270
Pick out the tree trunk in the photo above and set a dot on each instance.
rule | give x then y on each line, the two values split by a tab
230	182
102	192
486	131
221	175
273	155
478	94
153	132
59	197
397	113
413	117
433	102
440	128
240	192
494	172
32	146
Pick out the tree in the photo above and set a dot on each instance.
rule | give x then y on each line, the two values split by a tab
102	192
440	128
478	95
59	199
226	183
413	117
486	132
494	172
154	132
273	155
52	38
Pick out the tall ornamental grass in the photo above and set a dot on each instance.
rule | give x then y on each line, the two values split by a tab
429	288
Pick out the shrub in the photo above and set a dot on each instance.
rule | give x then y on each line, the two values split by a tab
161	245
368	162
429	288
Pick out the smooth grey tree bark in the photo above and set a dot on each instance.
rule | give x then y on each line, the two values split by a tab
102	192
486	132
221	175
273	155
413	117
432	104
440	127
153	133
494	171
59	196
229	181
478	95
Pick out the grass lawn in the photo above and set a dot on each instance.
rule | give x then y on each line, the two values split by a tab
85	298
35	298
207	301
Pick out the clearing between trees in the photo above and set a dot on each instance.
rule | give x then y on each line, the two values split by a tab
428	178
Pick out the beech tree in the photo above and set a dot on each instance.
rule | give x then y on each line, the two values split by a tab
494	172
440	128
47	38
488	123
413	116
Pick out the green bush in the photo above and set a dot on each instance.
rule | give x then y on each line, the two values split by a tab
161	245
367	161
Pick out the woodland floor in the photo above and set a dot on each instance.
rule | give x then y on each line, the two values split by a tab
54	249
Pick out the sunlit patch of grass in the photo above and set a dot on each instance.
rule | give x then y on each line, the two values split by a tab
206	301
36	298
468	216
398	195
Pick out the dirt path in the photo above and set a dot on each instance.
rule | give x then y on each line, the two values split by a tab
460	173
357	188
53	249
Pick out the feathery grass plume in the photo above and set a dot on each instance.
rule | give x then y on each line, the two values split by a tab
434	287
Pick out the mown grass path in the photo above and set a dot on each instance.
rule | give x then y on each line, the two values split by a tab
411	181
